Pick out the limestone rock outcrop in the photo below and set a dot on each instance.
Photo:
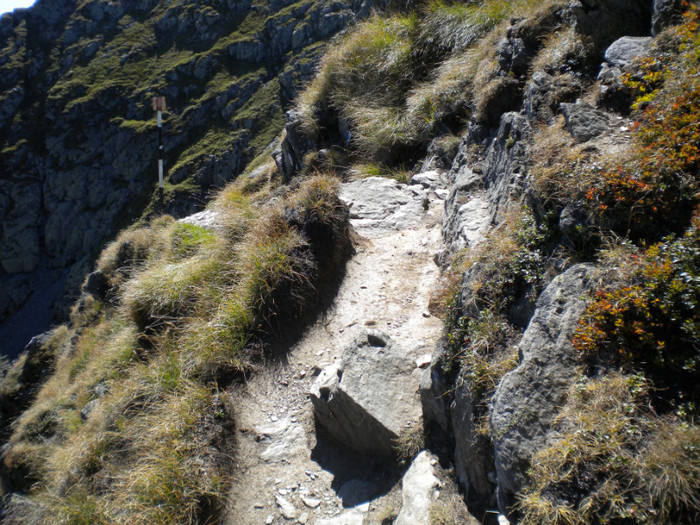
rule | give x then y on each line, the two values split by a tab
417	492
528	398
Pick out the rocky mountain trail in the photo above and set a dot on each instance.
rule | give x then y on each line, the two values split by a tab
290	469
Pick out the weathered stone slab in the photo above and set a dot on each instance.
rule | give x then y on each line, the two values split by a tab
381	206
367	399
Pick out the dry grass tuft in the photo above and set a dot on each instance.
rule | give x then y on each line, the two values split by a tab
614	461
397	80
409	443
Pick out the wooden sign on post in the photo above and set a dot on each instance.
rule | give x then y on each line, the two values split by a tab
159	107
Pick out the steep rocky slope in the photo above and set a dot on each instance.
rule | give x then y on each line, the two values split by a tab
561	139
583	153
77	133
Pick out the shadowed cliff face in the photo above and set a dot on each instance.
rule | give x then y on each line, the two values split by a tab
78	138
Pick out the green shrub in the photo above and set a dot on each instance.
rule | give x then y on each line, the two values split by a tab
650	322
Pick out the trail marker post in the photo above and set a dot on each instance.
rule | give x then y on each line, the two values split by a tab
159	107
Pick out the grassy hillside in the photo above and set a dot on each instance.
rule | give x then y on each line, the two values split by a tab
133	425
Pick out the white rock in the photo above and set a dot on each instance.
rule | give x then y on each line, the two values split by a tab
381	206
207	219
284	438
418	489
349	517
286	508
423	361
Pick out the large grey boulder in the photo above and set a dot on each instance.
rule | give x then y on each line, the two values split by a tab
625	50
583	121
528	399
367	399
418	492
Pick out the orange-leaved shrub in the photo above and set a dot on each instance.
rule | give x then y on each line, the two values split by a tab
656	191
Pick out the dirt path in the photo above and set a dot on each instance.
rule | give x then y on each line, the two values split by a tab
286	474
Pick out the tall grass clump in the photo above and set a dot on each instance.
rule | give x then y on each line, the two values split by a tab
614	461
364	81
398	80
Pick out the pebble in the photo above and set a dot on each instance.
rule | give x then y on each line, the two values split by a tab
442	194
270	519
282	491
258	505
424	361
304	518
312	503
274	419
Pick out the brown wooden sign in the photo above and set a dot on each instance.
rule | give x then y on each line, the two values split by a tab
158	103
